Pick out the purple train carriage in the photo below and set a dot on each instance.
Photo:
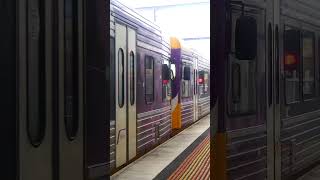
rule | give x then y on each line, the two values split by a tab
159	86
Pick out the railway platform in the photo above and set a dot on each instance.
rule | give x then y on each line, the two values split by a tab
185	156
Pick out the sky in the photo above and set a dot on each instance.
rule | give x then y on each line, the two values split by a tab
148	3
186	19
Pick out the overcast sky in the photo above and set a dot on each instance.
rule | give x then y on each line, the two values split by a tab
148	3
189	19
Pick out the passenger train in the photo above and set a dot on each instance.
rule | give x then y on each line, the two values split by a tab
160	86
79	77
268	83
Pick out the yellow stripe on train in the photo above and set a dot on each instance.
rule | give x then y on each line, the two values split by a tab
176	117
174	43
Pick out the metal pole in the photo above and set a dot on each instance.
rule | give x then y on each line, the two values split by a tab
218	69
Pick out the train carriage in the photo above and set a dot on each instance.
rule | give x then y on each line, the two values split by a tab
186	91
299	112
142	114
62	90
194	95
272	82
202	83
153	79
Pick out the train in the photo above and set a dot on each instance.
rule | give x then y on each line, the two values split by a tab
78	80
53	75
61	94
161	87
267	88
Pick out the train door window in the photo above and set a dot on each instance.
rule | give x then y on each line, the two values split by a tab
71	71
308	65
203	83
194	81
173	70
277	66
121	77
132	78
186	81
112	76
292	64
36	75
243	88
206	83
149	78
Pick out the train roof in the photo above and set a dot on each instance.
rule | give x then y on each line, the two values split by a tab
149	35
116	5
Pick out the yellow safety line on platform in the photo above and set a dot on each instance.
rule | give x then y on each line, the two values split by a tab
220	160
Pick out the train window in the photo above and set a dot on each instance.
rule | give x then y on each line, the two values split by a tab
149	79
132	78
71	72
277	66
120	77
203	83
112	77
36	74
206	83
292	64
165	81
308	65
186	81
194	81
187	73
243	88
246	38
173	70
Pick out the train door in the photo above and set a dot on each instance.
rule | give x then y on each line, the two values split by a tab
35	121
246	122
68	99
125	93
195	89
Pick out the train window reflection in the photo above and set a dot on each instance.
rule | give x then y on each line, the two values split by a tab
149	77
308	65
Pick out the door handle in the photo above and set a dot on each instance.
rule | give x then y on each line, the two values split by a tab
119	134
